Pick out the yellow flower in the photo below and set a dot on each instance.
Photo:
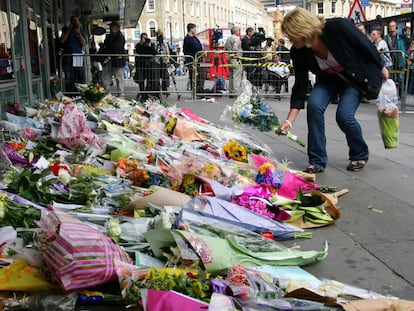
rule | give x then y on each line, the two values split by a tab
233	150
170	126
208	168
188	180
264	167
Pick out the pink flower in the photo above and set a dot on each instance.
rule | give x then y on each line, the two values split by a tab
29	134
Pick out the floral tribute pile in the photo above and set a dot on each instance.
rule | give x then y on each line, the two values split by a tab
163	207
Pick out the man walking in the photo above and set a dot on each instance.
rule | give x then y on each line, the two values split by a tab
233	45
114	65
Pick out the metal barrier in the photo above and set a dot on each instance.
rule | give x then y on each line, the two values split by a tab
408	100
216	69
148	76
208	74
398	72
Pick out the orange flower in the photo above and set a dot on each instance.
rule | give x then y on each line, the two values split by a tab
127	165
16	146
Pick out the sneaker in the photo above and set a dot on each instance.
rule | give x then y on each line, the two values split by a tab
356	165
312	169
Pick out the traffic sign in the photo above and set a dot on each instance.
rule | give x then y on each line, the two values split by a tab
357	13
365	3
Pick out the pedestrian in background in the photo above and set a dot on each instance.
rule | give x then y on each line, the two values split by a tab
191	47
406	37
248	47
96	67
140	64
278	75
268	52
284	56
73	41
410	53
398	52
145	75
113	66
362	28
382	47
283	51
163	61
233	46
345	65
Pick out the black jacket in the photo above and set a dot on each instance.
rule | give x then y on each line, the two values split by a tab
352	50
115	44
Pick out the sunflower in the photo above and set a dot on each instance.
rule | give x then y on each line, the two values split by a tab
234	150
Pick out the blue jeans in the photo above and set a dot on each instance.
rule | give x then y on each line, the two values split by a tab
349	99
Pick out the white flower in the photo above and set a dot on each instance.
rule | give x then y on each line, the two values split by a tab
114	229
244	98
64	176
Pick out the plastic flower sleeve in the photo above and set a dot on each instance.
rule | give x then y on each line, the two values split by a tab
218	255
42	301
20	276
157	300
74	131
78	255
193	221
388	114
236	214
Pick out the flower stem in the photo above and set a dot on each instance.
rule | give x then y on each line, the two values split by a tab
291	136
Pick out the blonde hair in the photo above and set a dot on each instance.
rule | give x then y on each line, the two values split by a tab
301	23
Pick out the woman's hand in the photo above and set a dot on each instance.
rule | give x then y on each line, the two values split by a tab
285	126
288	123
385	73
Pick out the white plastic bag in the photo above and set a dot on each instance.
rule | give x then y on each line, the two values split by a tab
388	114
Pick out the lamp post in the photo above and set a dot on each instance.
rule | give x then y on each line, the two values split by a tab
171	36
183	7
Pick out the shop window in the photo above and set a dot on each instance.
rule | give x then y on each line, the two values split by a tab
6	61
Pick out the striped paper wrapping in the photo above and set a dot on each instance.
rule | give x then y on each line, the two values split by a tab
78	255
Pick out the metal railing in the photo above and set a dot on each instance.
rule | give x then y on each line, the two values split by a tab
216	69
210	74
147	76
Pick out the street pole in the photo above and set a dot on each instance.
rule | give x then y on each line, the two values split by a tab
184	28
171	36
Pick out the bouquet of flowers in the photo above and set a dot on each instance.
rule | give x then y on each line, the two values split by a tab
92	93
236	151
250	109
16	214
